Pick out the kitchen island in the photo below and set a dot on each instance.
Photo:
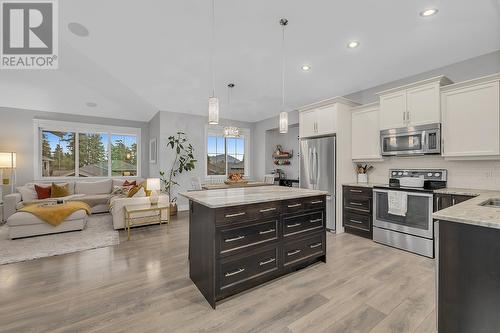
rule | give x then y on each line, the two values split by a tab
241	238
468	252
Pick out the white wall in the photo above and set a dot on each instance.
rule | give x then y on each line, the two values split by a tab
194	126
288	141
17	133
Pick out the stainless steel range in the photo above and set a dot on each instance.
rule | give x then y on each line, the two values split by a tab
402	214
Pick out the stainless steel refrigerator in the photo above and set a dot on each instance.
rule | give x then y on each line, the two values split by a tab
317	171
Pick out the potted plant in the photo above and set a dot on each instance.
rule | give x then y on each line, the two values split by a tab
184	161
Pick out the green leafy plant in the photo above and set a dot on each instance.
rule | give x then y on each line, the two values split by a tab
184	161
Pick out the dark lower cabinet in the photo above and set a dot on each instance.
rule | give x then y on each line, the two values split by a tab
358	210
469	279
442	201
235	248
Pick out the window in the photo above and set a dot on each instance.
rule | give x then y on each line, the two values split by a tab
226	155
71	150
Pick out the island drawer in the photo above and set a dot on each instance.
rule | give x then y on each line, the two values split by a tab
311	246
301	204
243	213
297	224
234	238
361	221
237	273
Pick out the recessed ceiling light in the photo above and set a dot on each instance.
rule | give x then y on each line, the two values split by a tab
91	104
306	68
429	12
78	29
353	44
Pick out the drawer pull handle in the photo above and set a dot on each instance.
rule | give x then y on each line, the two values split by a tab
291	253
234	239
356	191
316	202
355	221
241	270
236	214
295	205
315	221
262	263
267	210
266	231
312	246
294	225
355	204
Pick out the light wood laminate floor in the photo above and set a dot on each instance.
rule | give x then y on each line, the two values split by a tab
142	285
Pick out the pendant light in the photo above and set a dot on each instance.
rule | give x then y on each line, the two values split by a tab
213	102
283	122
230	131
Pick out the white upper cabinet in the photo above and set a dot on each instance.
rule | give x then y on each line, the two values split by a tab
326	123
365	133
321	118
412	105
393	106
471	119
308	123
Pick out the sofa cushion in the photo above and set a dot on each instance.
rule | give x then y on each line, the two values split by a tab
59	191
27	192
97	187
93	199
43	192
24	218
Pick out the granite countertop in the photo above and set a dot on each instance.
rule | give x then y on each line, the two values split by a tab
370	185
248	195
470	211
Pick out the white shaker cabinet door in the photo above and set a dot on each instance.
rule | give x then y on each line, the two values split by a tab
307	123
393	110
326	121
422	104
471	120
366	134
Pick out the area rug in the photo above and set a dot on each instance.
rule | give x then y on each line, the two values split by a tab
98	233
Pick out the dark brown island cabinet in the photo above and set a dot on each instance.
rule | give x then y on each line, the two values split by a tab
468	278
358	210
235	248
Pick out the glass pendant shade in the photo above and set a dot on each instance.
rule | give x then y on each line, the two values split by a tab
284	122
231	132
213	110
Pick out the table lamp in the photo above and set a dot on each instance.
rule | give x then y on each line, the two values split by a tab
8	161
153	185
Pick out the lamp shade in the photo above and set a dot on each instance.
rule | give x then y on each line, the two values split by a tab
213	110
283	122
7	160
153	184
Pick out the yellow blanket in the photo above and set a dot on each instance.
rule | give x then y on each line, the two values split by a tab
56	214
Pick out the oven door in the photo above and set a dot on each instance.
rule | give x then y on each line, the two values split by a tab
418	219
406	143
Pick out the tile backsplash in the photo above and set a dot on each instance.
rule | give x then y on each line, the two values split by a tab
467	174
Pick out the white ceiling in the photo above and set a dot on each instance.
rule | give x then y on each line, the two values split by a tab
150	55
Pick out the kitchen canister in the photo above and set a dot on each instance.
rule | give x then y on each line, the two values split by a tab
362	178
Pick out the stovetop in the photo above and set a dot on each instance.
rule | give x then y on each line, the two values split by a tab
433	179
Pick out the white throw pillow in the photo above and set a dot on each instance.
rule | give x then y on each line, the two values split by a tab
140	194
28	193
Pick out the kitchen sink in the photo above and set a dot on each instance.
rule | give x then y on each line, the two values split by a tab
495	203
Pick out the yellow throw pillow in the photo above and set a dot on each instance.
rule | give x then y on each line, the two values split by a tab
59	191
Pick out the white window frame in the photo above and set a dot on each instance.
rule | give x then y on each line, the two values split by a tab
219	131
40	125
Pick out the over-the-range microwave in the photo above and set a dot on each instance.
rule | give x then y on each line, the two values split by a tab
416	140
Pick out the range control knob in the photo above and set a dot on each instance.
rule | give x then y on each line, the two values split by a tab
405	173
400	173
394	173
429	174
437	174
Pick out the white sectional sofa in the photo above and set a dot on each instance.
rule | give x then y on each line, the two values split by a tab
99	194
